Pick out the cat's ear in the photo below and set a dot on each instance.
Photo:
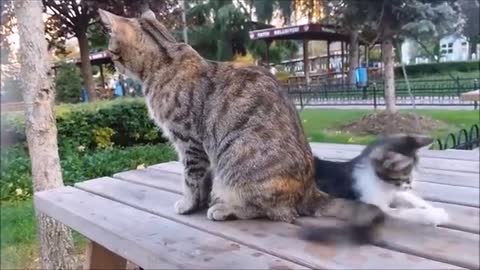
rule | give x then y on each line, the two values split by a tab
422	140
109	20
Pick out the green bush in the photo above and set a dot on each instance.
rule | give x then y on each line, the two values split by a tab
68	83
85	125
78	164
432	68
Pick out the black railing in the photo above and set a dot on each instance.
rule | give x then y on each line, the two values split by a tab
425	92
464	139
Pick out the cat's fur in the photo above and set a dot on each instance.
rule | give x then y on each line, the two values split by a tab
382	175
239	137
232	121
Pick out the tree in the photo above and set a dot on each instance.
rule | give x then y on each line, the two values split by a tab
56	245
68	83
72	18
392	19
218	29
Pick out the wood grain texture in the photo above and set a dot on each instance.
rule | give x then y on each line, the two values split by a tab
148	240
439	164
98	257
449	154
279	239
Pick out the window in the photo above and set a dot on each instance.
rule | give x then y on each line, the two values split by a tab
464	43
444	45
450	45
443	51
450	50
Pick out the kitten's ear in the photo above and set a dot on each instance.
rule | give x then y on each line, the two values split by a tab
422	140
109	20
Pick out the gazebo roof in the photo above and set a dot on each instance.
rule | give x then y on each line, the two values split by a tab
312	31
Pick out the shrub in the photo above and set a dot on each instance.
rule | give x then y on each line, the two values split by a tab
77	165
121	123
432	68
68	83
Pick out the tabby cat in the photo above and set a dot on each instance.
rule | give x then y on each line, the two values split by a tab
230	122
381	176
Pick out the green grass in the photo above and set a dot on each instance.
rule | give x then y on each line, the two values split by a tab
18	243
321	125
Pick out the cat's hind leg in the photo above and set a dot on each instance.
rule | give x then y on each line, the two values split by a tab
229	203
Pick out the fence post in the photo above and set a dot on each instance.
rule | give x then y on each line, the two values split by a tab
475	87
458	86
374	95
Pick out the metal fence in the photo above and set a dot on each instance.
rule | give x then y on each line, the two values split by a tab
425	92
464	139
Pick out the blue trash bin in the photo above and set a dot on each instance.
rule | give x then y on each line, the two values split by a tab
361	77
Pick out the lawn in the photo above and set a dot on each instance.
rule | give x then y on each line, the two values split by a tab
18	240
321	125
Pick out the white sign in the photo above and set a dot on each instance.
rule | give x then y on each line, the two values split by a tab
286	31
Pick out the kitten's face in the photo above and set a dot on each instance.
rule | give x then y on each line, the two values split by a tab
394	158
131	47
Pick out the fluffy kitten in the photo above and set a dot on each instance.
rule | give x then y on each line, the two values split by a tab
382	176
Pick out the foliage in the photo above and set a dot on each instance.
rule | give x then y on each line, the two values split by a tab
103	137
77	165
68	83
77	124
444	67
218	29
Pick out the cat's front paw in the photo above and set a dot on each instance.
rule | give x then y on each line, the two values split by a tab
184	206
436	216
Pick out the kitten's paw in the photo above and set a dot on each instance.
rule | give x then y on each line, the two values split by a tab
184	206
219	211
436	216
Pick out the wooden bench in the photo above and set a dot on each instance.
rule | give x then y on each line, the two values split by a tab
130	217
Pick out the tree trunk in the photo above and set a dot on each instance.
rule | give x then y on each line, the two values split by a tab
389	75
86	68
56	245
353	56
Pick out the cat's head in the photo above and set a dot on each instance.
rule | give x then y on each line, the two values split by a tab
137	45
394	157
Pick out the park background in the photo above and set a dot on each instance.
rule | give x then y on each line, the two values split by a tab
102	131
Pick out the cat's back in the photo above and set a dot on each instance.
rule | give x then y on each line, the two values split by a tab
251	115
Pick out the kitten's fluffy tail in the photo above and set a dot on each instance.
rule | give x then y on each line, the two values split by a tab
361	226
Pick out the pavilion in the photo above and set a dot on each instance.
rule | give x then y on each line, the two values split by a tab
307	32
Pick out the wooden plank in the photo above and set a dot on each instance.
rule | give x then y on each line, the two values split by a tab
278	239
430	191
145	239
458	155
462	218
424	162
98	257
424	175
448	178
448	246
448	194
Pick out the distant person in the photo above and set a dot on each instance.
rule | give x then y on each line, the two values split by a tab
118	90
84	93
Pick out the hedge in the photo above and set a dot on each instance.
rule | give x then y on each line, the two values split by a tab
116	123
432	68
78	164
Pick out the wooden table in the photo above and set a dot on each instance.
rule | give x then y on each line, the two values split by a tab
130	217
